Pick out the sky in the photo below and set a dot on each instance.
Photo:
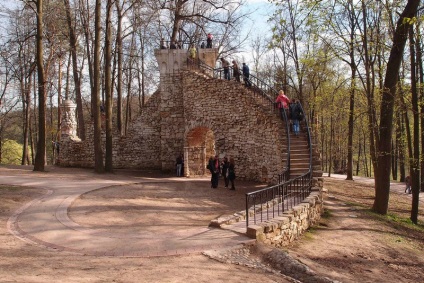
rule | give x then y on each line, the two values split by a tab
260	10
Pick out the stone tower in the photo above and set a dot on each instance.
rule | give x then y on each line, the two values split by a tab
172	63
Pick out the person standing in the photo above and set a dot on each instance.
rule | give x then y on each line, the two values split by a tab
408	184
226	66
179	164
209	39
210	168
232	173
213	167
246	74
193	52
282	102
162	44
296	114
224	165
236	71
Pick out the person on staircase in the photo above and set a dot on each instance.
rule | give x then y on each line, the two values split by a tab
226	66
296	114
246	73
236	71
282	102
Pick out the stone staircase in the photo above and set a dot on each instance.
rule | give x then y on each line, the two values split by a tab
299	154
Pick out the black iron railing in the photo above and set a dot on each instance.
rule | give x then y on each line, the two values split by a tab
270	202
273	201
268	93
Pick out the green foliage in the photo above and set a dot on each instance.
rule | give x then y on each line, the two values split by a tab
394	220
11	152
326	214
409	21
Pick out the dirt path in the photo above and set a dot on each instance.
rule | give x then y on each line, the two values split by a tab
349	245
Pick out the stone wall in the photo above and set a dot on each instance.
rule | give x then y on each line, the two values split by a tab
241	128
138	149
284	229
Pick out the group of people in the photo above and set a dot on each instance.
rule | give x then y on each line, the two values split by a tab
178	45
291	110
236	71
225	167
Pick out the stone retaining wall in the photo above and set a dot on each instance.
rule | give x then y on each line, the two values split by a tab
288	227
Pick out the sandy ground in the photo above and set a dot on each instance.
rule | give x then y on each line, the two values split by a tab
349	245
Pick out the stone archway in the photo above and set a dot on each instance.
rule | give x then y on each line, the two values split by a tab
199	146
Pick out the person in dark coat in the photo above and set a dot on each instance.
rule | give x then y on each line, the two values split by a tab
213	167
296	114
236	71
224	165
232	173
209	39
179	165
246	74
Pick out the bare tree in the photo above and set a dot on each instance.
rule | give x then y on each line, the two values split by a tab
108	87
77	81
95	95
40	157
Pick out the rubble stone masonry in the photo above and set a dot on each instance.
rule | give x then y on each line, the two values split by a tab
239	125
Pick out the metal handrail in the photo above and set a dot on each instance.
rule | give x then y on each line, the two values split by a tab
262	88
288	192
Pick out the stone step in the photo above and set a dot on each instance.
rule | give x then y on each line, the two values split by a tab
299	156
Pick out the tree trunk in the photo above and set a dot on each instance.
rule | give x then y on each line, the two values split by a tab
108	88
420	74
40	157
359	156
77	81
177	19
85	22
382	171
95	97
26	89
414	161
119	76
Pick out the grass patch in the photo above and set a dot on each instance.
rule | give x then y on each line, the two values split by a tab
326	214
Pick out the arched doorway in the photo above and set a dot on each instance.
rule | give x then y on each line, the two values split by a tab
199	146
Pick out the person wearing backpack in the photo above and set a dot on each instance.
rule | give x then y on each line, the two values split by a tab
296	114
